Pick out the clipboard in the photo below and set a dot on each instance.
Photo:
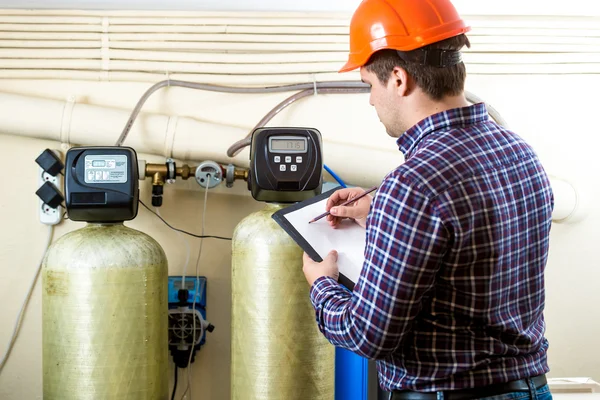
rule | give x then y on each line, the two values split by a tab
318	238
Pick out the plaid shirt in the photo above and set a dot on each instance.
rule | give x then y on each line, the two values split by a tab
451	293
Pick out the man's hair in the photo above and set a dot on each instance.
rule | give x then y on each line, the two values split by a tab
436	82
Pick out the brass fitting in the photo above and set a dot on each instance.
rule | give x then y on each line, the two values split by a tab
158	179
241	174
159	172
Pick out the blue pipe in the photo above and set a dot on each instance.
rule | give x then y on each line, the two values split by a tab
351	370
337	178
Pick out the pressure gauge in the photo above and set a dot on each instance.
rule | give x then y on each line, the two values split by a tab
101	184
286	164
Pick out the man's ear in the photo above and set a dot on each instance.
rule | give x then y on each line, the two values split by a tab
400	81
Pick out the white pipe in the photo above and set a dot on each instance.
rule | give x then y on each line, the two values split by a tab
509	33
517	37
40	54
480	35
178	137
232	80
524	47
269	34
249	58
503	54
223	29
65	44
233	37
252	75
51	28
43	19
211	46
534	22
197	68
163	56
286	19
158	19
566	201
49	35
275	19
169	13
40	34
227	63
262	80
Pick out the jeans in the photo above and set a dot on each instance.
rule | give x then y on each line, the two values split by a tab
542	393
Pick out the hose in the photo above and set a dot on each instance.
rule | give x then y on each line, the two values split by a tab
305	90
229	89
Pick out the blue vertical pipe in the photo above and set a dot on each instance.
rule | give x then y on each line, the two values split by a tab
351	376
351	370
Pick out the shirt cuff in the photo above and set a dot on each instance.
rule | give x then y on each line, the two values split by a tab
320	289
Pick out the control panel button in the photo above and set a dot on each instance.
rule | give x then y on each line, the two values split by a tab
288	159
294	168
299	160
98	175
282	167
277	159
90	175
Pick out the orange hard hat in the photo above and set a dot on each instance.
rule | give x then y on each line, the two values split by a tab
403	25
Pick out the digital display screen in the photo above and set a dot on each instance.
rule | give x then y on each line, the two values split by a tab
105	168
288	145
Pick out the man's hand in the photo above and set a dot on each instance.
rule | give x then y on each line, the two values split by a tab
314	270
358	211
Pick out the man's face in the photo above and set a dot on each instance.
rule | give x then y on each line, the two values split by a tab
386	101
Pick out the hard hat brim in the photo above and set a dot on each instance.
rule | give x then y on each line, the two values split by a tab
349	66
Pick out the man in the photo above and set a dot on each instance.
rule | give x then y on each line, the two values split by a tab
451	295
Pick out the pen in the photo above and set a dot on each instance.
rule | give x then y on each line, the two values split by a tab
344	204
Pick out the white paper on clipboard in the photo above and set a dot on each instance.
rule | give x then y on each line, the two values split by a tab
348	239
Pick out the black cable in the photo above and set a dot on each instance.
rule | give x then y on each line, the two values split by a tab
182	231
174	384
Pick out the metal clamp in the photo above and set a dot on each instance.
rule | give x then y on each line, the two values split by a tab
230	175
171	171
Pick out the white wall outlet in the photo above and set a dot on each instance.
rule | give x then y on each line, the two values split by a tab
49	215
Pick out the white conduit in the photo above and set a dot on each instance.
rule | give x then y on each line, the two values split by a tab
93	125
232	80
256	49
322	59
46	17
90	32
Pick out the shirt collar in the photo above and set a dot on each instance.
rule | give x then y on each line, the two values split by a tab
444	120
